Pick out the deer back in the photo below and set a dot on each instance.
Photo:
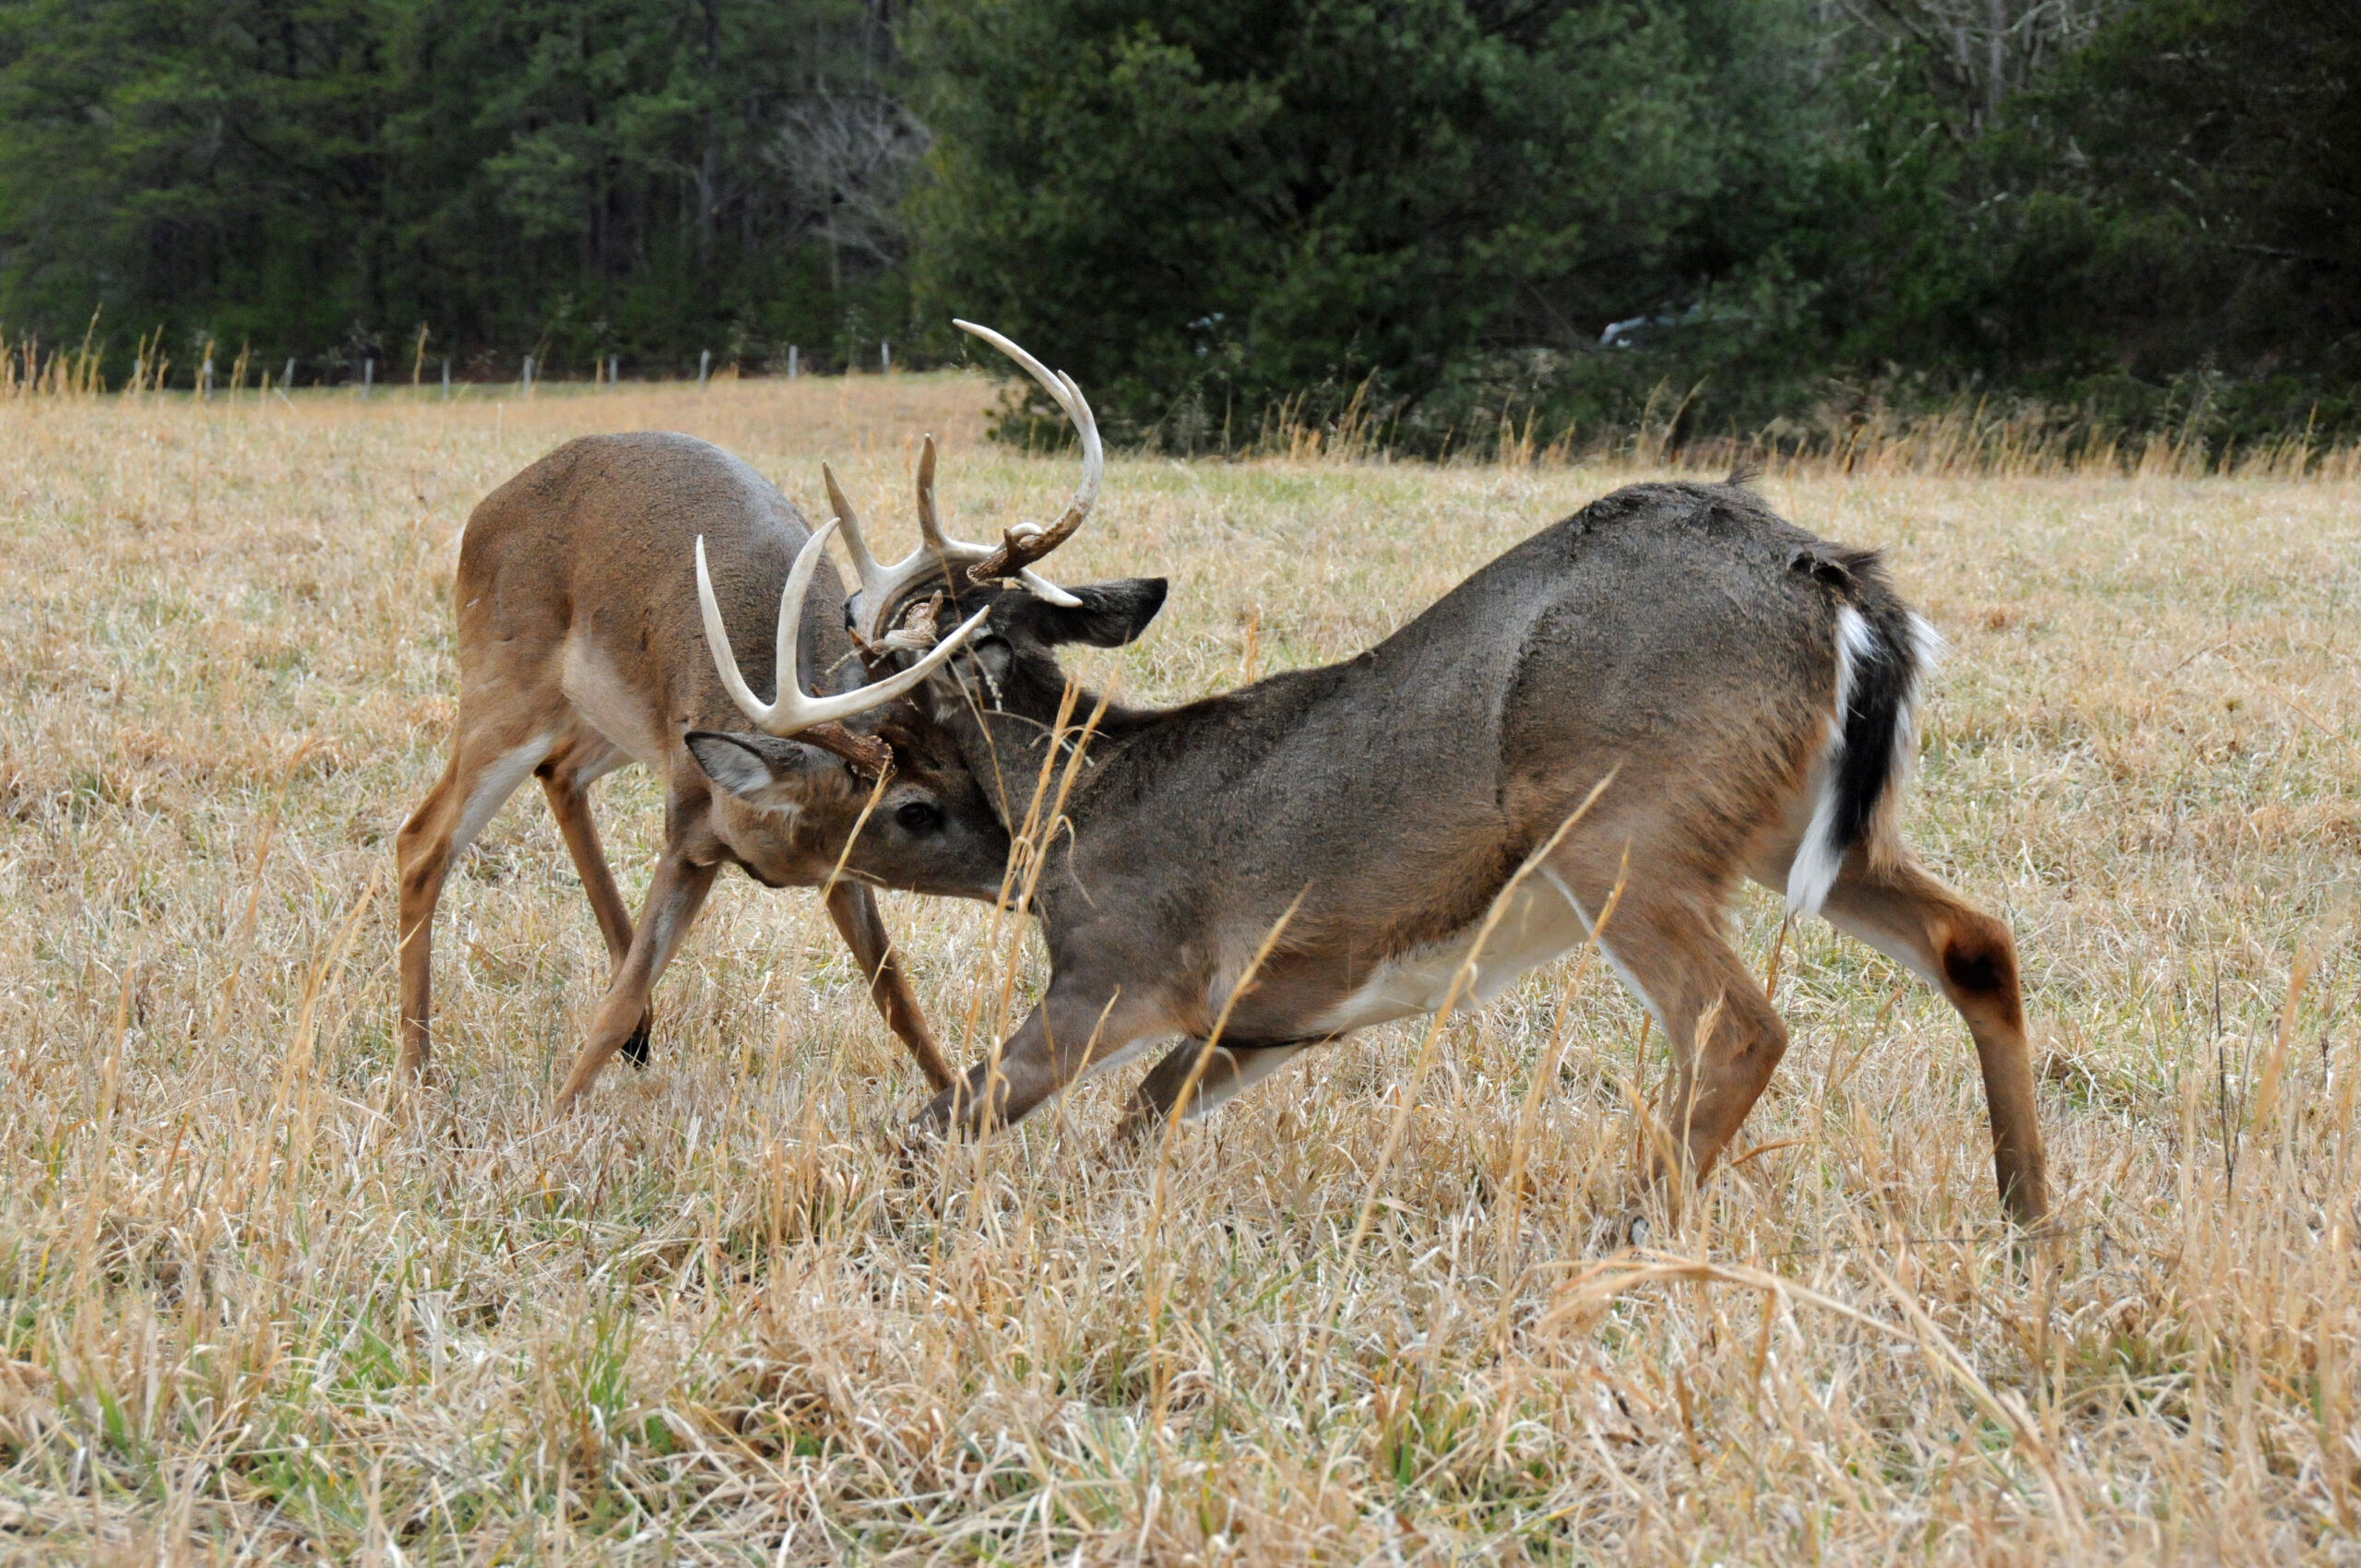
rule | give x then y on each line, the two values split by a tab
586	559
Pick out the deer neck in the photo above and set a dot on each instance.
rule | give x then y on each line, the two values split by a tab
1033	752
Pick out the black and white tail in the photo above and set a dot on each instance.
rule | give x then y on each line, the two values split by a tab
1884	653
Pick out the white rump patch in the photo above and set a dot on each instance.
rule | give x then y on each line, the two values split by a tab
1927	647
1818	858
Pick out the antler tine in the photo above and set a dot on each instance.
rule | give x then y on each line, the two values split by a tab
779	717
786	645
929	529
1093	463
1021	546
951	551
717	639
884	590
862	560
1042	587
795	711
1033	367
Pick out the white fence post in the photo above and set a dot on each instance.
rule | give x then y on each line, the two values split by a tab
287	381
528	374
446	378
885	357
794	355
704	366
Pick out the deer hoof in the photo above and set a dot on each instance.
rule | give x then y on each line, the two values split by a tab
1627	1229
916	1143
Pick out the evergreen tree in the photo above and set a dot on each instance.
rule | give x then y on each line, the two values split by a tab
1203	207
1441	212
322	177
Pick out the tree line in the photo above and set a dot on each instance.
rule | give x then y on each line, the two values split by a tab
1425	215
638	179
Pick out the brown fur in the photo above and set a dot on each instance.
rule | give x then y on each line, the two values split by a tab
580	649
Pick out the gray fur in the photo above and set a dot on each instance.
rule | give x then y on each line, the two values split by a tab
1676	639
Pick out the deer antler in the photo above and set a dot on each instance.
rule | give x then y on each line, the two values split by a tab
1027	542
919	630
884	589
818	721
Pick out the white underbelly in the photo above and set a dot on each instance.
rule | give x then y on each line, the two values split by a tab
609	705
1540	921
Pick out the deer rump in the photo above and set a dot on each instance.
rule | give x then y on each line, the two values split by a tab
1744	692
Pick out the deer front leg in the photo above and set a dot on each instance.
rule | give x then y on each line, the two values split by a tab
570	805
1075	1030
854	909
1231	1070
674	896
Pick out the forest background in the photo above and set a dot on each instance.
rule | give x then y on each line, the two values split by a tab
1415	220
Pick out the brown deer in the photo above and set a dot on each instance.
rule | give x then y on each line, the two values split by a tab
1742	696
586	608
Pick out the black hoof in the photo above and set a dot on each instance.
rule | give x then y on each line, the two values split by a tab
1626	1229
636	1048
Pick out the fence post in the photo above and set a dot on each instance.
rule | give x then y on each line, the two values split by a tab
704	366
793	355
885	357
446	378
205	392
287	382
368	376
528	376
615	371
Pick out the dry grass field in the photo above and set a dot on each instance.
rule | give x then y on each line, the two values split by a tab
260	1307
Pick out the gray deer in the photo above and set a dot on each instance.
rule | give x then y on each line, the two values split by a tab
1742	696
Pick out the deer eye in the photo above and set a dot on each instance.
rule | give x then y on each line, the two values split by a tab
917	817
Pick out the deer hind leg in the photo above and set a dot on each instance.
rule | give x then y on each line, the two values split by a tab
567	788
1726	1039
854	909
674	895
1232	1070
1910	916
486	767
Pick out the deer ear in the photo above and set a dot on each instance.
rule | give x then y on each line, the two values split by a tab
762	770
1110	615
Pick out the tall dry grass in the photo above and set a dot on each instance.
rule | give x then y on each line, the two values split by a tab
261	1308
